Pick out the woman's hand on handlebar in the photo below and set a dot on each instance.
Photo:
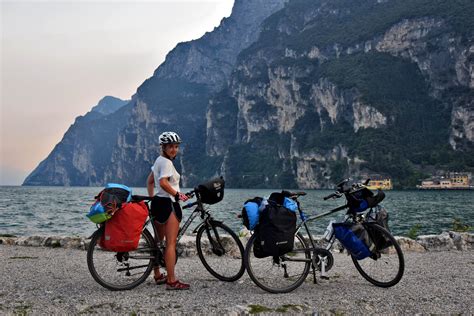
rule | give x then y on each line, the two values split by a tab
182	197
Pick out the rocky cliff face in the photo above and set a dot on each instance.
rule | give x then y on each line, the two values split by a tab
177	96
210	59
333	104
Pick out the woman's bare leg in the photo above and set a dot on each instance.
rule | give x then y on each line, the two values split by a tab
171	233
160	230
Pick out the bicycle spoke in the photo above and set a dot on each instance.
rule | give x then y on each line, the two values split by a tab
280	274
114	270
386	268
220	250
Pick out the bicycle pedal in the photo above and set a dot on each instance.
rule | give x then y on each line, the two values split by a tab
324	277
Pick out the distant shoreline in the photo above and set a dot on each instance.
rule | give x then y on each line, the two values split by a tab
230	188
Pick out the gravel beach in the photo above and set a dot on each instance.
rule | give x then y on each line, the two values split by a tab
39	280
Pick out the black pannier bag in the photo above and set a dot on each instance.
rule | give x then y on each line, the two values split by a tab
381	218
258	251
276	229
212	191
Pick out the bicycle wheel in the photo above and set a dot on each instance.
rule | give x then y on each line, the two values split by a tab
118	271
279	274
220	251
386	266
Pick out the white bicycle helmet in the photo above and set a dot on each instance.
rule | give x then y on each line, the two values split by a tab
169	138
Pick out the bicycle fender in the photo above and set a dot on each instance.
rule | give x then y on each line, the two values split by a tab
203	223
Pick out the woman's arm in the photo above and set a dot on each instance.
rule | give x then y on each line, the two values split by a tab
164	183
150	184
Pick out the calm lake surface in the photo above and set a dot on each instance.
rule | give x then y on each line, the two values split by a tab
45	211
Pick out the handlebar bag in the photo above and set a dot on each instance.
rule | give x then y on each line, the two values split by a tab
122	232
212	191
276	229
355	238
358	200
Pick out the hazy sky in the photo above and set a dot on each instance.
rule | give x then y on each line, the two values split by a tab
59	58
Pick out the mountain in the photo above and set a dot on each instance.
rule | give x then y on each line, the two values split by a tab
108	105
174	98
79	158
349	88
296	94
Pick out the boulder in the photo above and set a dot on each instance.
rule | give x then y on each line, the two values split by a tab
34	241
468	239
462	241
7	240
442	242
408	244
53	241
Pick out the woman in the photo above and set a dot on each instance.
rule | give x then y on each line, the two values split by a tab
165	206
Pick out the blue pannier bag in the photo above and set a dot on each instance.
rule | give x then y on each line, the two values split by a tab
355	238
290	204
251	212
108	201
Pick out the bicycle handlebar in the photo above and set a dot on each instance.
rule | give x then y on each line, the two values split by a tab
293	194
341	189
332	195
190	194
190	205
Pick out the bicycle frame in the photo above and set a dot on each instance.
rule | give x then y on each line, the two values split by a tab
198	211
305	219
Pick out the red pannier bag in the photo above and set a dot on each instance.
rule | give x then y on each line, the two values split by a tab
122	232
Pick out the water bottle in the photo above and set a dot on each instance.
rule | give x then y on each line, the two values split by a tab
329	231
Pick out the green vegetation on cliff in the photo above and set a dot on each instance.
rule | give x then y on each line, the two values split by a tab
415	137
348	22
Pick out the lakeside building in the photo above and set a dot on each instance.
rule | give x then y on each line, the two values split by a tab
453	181
380	183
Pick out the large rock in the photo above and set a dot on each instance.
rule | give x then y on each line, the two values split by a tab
441	242
187	246
462	241
408	244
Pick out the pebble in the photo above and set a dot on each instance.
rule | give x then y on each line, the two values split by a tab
47	280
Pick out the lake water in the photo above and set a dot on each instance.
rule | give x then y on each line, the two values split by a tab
45	211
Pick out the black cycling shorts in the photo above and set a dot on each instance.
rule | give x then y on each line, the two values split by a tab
161	208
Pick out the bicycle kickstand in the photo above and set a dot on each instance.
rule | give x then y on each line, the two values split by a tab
323	269
314	265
